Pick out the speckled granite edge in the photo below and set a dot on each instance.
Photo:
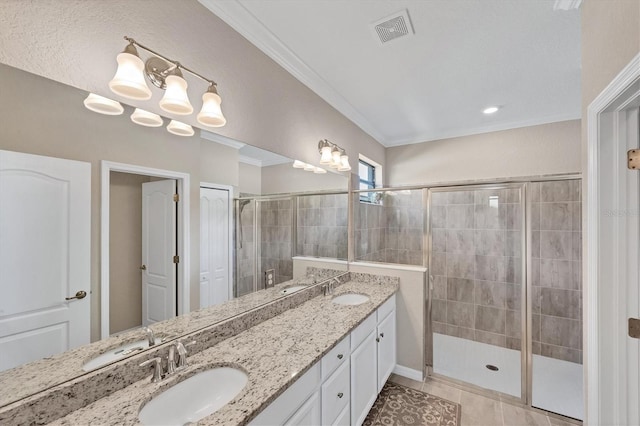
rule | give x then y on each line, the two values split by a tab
273	353
60	400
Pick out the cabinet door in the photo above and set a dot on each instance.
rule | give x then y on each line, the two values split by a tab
308	414
386	348
364	388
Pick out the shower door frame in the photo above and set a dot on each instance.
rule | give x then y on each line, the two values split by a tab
526	350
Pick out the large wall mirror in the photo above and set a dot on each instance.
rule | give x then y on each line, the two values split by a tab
101	192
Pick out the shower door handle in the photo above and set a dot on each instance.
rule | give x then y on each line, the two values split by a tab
634	328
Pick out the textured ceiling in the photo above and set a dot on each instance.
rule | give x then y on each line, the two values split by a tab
465	55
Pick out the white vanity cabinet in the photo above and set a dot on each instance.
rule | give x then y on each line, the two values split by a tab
373	358
341	388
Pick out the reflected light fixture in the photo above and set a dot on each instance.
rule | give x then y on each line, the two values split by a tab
297	164
179	128
325	151
102	105
319	170
129	82
146	118
333	155
309	168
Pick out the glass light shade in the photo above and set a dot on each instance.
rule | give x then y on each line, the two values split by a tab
297	164
211	113
102	105
175	99
309	168
179	128
319	170
335	159
325	155
344	164
146	118
129	79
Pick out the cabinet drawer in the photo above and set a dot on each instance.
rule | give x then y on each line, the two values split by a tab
386	308
336	393
362	331
335	357
287	403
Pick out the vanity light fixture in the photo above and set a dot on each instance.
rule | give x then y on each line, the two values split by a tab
102	105
309	168
146	118
319	170
297	164
490	110
129	82
179	128
333	155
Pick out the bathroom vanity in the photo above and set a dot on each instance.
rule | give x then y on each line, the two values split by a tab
324	361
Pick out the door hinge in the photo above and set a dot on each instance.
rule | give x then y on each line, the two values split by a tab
634	328
176	259
176	197
633	159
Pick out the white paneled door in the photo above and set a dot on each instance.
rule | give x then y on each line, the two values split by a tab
159	271
214	246
45	220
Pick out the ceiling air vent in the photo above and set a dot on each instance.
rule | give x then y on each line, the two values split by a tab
392	27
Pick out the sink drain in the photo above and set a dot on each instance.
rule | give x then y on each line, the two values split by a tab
492	367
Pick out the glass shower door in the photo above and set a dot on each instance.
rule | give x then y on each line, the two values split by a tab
556	293
476	237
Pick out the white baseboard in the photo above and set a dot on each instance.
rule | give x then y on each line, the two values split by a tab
407	372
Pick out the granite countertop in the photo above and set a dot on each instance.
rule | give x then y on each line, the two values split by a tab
27	379
273	353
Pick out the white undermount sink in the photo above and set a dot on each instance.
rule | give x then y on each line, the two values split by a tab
117	354
350	299
292	289
194	398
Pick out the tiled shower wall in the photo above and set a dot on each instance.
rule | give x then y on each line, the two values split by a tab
322	225
390	230
275	239
477	265
556	269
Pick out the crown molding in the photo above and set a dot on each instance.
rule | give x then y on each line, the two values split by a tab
249	160
223	140
430	137
250	27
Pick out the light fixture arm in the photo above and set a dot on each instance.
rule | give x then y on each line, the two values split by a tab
174	64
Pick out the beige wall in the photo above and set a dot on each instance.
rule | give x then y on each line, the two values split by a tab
284	178
125	251
250	179
527	151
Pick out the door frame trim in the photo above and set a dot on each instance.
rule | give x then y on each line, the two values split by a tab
600	133
183	226
228	188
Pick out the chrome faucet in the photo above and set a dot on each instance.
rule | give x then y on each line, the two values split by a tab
150	336
177	358
157	368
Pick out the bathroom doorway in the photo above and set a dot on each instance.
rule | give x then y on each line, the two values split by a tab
165	289
505	290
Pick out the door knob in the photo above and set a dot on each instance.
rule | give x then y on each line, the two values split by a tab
143	267
79	295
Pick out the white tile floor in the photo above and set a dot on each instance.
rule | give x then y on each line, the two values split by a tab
480	410
557	384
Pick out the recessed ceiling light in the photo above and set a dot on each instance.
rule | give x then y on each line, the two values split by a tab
490	110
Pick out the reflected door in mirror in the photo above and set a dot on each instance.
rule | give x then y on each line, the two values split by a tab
214	246
44	256
159	251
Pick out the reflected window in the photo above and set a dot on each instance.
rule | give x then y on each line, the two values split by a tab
367	174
